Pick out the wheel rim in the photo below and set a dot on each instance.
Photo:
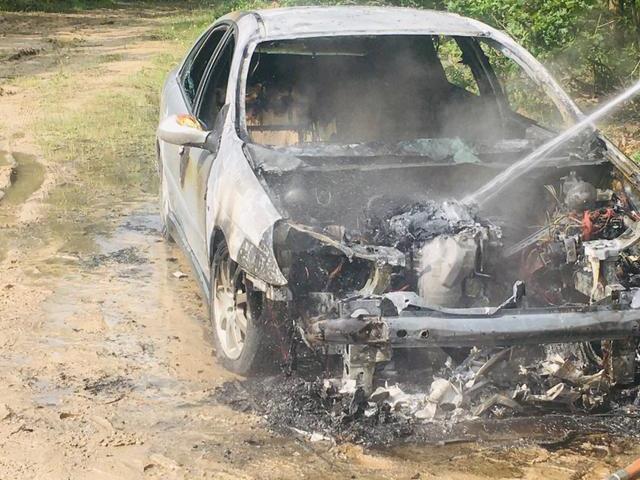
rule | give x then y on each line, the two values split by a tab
230	310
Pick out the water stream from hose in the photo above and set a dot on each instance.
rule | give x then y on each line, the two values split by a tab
500	181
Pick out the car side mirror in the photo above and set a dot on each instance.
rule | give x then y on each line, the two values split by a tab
184	130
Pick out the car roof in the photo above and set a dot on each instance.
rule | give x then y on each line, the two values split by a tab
304	21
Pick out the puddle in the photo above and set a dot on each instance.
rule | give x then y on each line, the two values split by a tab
53	398
4	161
27	178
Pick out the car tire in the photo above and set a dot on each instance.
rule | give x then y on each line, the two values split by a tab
241	341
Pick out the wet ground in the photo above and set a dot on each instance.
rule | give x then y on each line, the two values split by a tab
106	367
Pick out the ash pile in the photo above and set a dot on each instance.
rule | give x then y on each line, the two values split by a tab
501	388
500	383
513	381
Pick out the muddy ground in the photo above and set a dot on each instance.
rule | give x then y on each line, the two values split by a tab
106	367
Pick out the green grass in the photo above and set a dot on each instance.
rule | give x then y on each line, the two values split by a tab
79	5
53	5
111	57
106	143
109	145
186	27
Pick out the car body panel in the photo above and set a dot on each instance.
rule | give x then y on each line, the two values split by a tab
182	168
225	187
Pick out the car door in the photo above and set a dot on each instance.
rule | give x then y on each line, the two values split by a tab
175	158
195	163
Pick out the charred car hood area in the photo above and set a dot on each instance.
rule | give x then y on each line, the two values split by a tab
384	259
459	257
370	148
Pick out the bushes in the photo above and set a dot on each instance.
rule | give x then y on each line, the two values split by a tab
591	47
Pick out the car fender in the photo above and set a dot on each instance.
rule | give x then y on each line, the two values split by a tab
239	207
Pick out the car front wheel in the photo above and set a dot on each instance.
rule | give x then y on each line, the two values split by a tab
234	312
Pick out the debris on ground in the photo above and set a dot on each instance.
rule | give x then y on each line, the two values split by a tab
107	385
22	53
129	255
489	385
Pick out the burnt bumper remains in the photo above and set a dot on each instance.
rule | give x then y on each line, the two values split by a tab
374	322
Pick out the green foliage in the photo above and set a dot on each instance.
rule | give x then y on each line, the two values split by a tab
592	49
457	72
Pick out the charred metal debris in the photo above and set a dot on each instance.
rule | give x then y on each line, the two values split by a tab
491	395
490	328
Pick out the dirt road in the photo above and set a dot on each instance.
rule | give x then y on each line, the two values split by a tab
106	368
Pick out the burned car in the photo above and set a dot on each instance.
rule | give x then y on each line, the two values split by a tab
316	166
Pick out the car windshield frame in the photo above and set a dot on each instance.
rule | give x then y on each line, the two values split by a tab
495	39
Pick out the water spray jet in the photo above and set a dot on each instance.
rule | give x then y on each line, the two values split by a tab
500	181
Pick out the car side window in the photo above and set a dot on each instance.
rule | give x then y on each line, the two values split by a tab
196	63
214	93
